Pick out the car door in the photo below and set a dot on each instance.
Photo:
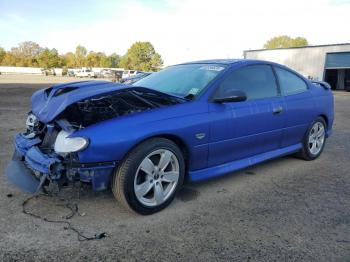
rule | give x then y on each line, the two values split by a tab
299	106
242	129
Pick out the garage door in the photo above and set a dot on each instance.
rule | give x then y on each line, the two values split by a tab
338	60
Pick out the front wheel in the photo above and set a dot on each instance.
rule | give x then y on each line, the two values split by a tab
314	140
150	176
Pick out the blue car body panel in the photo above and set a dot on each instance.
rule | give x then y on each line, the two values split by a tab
218	138
47	107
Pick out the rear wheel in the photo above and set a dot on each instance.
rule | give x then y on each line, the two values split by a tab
314	140
150	176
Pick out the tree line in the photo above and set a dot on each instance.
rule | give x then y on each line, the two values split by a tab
140	56
285	41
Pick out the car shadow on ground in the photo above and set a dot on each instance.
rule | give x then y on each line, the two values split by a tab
192	189
189	192
80	202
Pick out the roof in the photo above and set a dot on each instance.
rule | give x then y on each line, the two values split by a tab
216	61
308	46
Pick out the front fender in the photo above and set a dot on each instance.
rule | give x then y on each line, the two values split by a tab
113	139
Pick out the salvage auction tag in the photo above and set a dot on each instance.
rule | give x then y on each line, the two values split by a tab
193	91
212	68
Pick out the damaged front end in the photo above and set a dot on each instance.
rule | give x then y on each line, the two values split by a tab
44	154
48	152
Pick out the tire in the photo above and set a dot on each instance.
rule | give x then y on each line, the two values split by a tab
308	153
136	183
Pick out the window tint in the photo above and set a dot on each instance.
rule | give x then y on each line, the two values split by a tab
290	83
257	81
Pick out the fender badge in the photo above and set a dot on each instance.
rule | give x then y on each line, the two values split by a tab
200	135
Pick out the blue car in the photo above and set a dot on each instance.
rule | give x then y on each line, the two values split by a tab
190	121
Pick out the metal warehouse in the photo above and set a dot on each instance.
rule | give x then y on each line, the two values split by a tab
330	63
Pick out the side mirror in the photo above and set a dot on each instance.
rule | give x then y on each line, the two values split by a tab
232	96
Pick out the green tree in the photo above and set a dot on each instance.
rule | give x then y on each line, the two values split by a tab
300	41
2	54
80	56
142	56
93	59
105	62
31	54
26	53
285	41
9	60
69	60
125	62
49	58
110	61
114	60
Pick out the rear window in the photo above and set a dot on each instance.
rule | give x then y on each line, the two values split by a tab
290	83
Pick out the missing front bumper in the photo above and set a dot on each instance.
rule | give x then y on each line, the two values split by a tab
30	167
21	176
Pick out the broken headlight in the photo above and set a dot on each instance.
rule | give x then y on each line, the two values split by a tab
65	144
34	126
32	121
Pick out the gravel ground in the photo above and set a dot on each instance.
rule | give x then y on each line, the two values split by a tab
283	210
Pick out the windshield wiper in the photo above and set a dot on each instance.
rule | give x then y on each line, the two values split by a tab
146	101
158	94
189	97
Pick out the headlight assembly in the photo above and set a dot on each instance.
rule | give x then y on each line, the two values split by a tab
65	144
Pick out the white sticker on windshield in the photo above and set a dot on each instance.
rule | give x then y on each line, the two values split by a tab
212	68
193	91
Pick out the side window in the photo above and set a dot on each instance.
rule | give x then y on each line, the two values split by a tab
290	83
256	81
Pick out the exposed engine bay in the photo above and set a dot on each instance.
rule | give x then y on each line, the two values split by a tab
93	110
107	106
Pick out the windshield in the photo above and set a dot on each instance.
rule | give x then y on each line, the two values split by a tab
182	80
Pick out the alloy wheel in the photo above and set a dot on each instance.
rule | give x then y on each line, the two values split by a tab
316	138
156	177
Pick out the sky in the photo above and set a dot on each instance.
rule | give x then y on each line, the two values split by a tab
180	30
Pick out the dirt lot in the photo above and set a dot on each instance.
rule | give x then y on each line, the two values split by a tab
283	210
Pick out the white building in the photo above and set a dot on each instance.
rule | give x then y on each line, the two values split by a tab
20	70
330	63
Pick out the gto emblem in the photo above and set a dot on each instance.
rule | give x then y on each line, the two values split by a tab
200	135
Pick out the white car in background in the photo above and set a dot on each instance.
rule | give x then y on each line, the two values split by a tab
85	73
128	73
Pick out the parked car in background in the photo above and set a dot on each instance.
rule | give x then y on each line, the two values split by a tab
132	79
129	73
70	73
192	121
106	73
85	73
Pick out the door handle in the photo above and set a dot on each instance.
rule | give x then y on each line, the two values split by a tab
277	110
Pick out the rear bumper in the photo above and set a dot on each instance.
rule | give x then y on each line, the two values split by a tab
29	165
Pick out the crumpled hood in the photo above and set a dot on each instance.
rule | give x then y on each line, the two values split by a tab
49	103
